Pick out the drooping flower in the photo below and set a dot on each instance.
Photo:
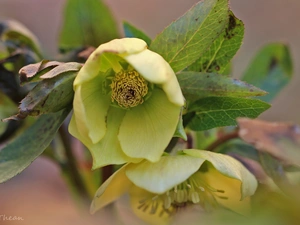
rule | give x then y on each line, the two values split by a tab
127	103
158	189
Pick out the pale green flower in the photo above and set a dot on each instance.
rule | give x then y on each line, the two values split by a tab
127	103
158	189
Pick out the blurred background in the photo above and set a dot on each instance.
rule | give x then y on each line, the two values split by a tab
39	195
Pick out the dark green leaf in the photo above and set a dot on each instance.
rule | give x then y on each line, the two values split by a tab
19	154
222	50
9	84
213	112
270	70
196	85
86	23
237	147
189	37
131	31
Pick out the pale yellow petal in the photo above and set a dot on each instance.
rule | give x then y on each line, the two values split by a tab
113	188
156	70
106	56
229	167
163	175
149	211
108	150
147	129
90	109
231	188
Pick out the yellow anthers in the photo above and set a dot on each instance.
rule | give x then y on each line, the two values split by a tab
128	89
191	191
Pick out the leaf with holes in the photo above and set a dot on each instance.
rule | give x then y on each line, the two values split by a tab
222	50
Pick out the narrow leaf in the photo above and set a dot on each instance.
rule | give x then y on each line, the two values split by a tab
189	37
222	50
86	23
131	31
213	112
270	70
19	154
196	85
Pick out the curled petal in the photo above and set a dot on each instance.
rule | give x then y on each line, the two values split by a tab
156	70
229	167
163	175
90	110
107	56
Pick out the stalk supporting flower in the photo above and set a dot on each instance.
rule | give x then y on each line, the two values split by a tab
127	103
157	190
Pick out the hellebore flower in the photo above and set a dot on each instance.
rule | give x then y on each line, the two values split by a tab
157	190
127	103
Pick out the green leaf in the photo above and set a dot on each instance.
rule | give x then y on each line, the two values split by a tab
16	35
270	70
20	153
237	147
213	112
189	37
222	50
131	31
86	23
196	85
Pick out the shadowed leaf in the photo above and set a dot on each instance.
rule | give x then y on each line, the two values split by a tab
270	70
196	85
20	153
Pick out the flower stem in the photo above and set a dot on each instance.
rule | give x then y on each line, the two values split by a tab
222	140
107	171
71	167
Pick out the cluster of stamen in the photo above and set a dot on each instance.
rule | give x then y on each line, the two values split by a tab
191	191
128	89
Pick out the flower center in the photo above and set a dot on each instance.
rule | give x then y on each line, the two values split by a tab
128	89
191	191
